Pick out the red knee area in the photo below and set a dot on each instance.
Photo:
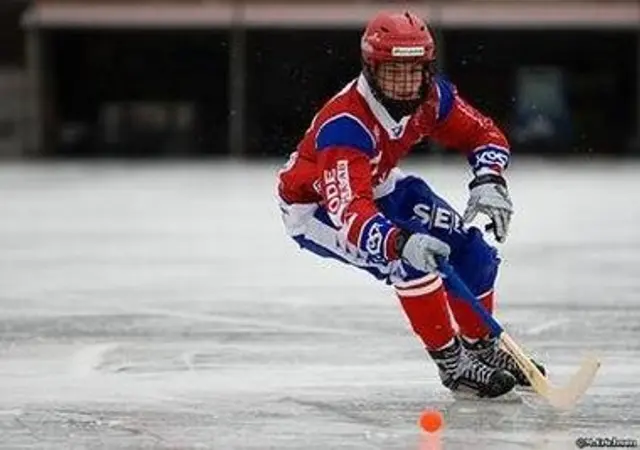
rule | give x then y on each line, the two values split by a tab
424	302
469	323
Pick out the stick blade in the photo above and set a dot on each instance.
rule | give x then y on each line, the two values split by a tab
566	397
558	397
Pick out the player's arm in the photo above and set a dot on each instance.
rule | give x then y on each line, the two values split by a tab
345	147
461	126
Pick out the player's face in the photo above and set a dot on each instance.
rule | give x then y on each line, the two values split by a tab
400	81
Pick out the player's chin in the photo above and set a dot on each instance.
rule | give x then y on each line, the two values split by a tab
406	97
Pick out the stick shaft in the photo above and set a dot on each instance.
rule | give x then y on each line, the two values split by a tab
537	379
562	398
460	287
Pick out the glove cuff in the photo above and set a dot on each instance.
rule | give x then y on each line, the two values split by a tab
488	178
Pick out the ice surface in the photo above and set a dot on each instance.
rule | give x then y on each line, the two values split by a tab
148	306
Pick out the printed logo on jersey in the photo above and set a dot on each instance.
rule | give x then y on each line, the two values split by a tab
343	180
337	188
438	217
373	244
373	236
490	157
397	130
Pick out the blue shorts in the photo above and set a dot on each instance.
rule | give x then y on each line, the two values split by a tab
412	206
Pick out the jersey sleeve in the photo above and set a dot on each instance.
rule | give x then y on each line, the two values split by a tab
344	147
461	126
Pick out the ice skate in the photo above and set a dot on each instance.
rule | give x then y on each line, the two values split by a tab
463	373
489	352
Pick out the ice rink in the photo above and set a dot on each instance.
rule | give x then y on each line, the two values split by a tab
161	306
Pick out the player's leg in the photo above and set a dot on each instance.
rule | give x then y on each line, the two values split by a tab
425	303
417	207
414	206
477	263
422	296
424	299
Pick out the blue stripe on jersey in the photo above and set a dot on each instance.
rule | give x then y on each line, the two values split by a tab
447	97
373	237
345	131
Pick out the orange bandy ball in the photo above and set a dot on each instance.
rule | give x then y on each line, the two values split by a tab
431	420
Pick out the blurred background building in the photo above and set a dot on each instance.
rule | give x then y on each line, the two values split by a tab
186	78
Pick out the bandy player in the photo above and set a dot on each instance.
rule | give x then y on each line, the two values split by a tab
342	196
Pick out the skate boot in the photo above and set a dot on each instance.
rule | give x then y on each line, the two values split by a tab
462	372
489	352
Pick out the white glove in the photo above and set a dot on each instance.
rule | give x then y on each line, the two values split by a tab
421	251
489	196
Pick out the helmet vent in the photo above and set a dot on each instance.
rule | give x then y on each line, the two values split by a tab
408	16
385	29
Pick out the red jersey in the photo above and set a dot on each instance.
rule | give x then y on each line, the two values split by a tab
344	160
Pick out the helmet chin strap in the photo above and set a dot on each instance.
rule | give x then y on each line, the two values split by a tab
397	109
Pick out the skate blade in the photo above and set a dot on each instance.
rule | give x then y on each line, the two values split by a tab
510	397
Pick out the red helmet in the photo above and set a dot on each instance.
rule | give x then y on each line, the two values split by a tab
397	37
